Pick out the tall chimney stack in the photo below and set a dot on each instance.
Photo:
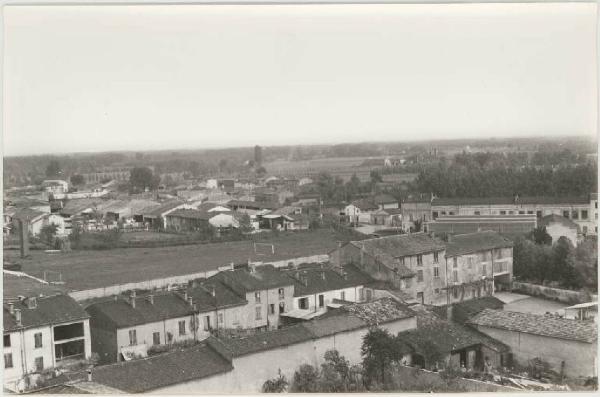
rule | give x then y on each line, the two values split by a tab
132	299
24	237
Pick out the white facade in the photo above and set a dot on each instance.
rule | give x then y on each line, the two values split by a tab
312	302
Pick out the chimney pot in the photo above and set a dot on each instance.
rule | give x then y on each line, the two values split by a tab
213	291
132	299
11	308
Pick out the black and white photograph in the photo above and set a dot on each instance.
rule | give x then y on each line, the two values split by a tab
245	197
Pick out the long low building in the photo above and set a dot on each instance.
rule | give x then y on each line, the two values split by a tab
458	224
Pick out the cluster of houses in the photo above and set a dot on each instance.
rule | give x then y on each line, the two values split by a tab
233	330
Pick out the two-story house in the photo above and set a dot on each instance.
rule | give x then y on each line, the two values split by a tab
268	291
477	264
122	329
42	333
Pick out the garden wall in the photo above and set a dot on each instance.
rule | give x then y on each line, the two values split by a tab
561	295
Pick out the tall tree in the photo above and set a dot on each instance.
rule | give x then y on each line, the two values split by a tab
142	178
53	169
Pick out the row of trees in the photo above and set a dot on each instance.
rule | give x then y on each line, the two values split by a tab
468	177
537	259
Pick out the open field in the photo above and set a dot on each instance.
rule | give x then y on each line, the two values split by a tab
94	269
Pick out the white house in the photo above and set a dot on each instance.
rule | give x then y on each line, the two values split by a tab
558	226
42	333
360	211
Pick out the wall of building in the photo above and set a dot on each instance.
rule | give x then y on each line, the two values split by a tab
579	357
558	230
144	332
248	375
352	294
11	375
561	295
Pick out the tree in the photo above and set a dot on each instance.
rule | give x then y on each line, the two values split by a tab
305	379
142	178
77	180
246	223
418	225
261	171
53	169
48	233
275	385
378	351
375	176
541	236
335	373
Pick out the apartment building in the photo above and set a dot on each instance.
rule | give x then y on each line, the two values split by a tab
41	333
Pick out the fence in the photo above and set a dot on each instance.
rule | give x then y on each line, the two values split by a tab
557	294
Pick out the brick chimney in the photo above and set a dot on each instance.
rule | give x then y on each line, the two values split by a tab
132	297
18	317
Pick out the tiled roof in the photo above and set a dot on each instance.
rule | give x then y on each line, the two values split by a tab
462	311
445	336
365	204
53	310
330	325
268	340
536	324
250	204
398	246
379	311
190	214
20	284
384	199
205	301
27	214
179	366
158	211
325	279
550	219
122	314
540	200
261	278
462	244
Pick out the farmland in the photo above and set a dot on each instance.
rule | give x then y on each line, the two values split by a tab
94	269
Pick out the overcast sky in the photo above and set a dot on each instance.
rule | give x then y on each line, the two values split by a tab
168	77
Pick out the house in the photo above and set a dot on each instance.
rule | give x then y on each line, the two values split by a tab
575	208
316	286
568	346
587	311
359	211
460	224
385	201
268	291
387	217
55	186
218	308
123	329
477	264
192	195
239	205
225	220
157	217
187	220
42	333
34	219
412	263
307	199
558	226
439	343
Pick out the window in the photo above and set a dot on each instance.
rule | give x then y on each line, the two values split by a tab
436	272
585	230
303	303
529	212
502	212
584	214
272	308
575	214
257	296
420	260
477	212
182	327
521	212
435	214
498	254
37	337
220	318
7	340
258	313
596	216
436	257
421	297
538	214
566	214
8	360
156	338
281	307
455	276
401	260
281	293
455	293
455	262
596	204
206	323
39	363
437	290
484	270
443	212
321	300
451	213
420	276
470	262
132	337
343	295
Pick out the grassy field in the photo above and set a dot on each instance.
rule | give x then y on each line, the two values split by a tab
93	269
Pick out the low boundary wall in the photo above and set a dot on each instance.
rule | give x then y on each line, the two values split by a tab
561	295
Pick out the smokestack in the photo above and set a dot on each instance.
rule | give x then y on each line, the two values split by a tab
18	317
24	237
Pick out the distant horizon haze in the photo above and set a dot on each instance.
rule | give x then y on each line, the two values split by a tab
82	79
